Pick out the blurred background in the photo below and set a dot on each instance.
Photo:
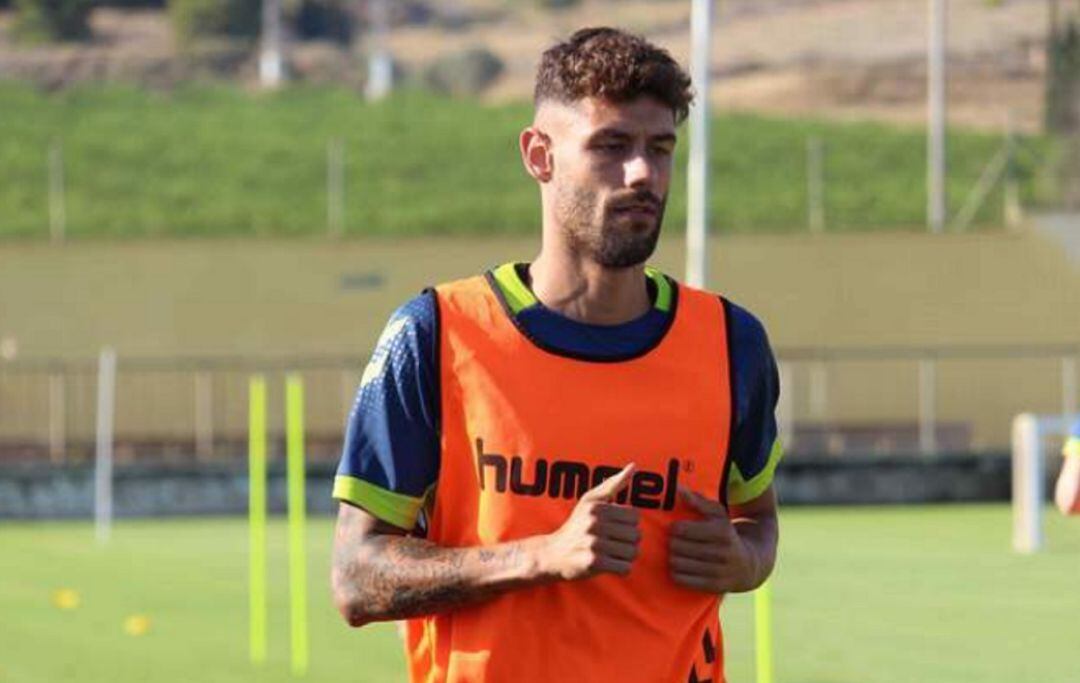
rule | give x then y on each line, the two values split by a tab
196	191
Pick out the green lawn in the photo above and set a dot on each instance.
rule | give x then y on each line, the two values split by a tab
219	161
928	594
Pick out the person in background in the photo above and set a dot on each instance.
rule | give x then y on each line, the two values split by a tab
1067	490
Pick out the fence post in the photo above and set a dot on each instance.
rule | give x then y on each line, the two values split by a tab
103	462
815	183
204	415
1014	214
57	201
1068	388
819	390
927	406
348	391
335	188
57	417
786	405
937	100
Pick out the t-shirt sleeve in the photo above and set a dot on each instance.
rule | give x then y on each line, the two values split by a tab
1072	444
755	449
390	458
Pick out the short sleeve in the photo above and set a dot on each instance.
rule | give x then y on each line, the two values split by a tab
1072	444
390	457
755	449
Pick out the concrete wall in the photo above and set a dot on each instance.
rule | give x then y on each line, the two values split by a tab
41	492
266	297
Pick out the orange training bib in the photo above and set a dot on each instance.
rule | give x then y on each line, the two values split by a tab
525	432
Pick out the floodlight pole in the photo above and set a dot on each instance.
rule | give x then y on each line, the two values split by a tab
936	211
697	203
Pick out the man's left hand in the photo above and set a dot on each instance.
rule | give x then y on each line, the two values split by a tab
707	554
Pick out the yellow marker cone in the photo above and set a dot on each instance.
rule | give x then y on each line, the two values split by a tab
65	598
137	625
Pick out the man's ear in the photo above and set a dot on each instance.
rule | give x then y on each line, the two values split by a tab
536	154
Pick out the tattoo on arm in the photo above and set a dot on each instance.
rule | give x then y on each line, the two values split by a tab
383	576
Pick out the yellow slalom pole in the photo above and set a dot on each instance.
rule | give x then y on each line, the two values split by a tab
294	437
257	517
763	633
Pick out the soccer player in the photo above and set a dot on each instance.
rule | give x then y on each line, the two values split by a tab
1067	491
554	471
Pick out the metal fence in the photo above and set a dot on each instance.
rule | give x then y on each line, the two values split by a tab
919	400
833	401
166	408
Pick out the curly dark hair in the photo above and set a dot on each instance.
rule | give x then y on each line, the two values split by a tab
614	65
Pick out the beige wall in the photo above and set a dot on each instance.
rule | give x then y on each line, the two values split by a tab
258	298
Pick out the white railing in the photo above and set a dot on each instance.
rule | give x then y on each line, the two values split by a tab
833	401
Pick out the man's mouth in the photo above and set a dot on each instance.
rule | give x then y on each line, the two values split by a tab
637	209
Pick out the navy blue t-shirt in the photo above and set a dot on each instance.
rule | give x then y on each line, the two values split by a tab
390	460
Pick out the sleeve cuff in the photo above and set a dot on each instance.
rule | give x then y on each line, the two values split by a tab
1072	447
741	490
393	508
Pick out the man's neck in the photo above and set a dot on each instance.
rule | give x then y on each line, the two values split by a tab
587	292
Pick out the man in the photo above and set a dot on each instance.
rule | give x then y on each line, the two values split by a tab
1067	489
554	471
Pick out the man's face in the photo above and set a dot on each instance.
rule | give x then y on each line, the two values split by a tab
611	170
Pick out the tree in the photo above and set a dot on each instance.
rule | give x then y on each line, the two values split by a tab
52	20
193	19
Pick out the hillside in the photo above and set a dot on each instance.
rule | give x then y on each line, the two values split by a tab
850	59
220	161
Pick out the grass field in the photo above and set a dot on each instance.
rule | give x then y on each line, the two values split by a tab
928	594
219	161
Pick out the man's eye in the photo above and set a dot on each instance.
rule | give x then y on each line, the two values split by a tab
609	146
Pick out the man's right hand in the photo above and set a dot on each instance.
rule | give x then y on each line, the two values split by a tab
599	537
380	573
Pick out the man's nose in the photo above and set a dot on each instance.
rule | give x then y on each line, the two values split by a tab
639	172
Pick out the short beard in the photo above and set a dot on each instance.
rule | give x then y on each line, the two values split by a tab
596	233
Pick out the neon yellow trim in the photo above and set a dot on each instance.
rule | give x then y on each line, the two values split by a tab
663	289
742	491
517	295
393	508
1072	447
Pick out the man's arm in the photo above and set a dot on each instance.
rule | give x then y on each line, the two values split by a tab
729	551
379	573
1067	489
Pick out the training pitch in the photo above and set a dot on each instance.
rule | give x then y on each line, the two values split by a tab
930	594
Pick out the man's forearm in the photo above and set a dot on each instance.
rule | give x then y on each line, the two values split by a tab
386	577
759	535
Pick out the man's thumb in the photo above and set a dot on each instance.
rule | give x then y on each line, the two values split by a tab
612	486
